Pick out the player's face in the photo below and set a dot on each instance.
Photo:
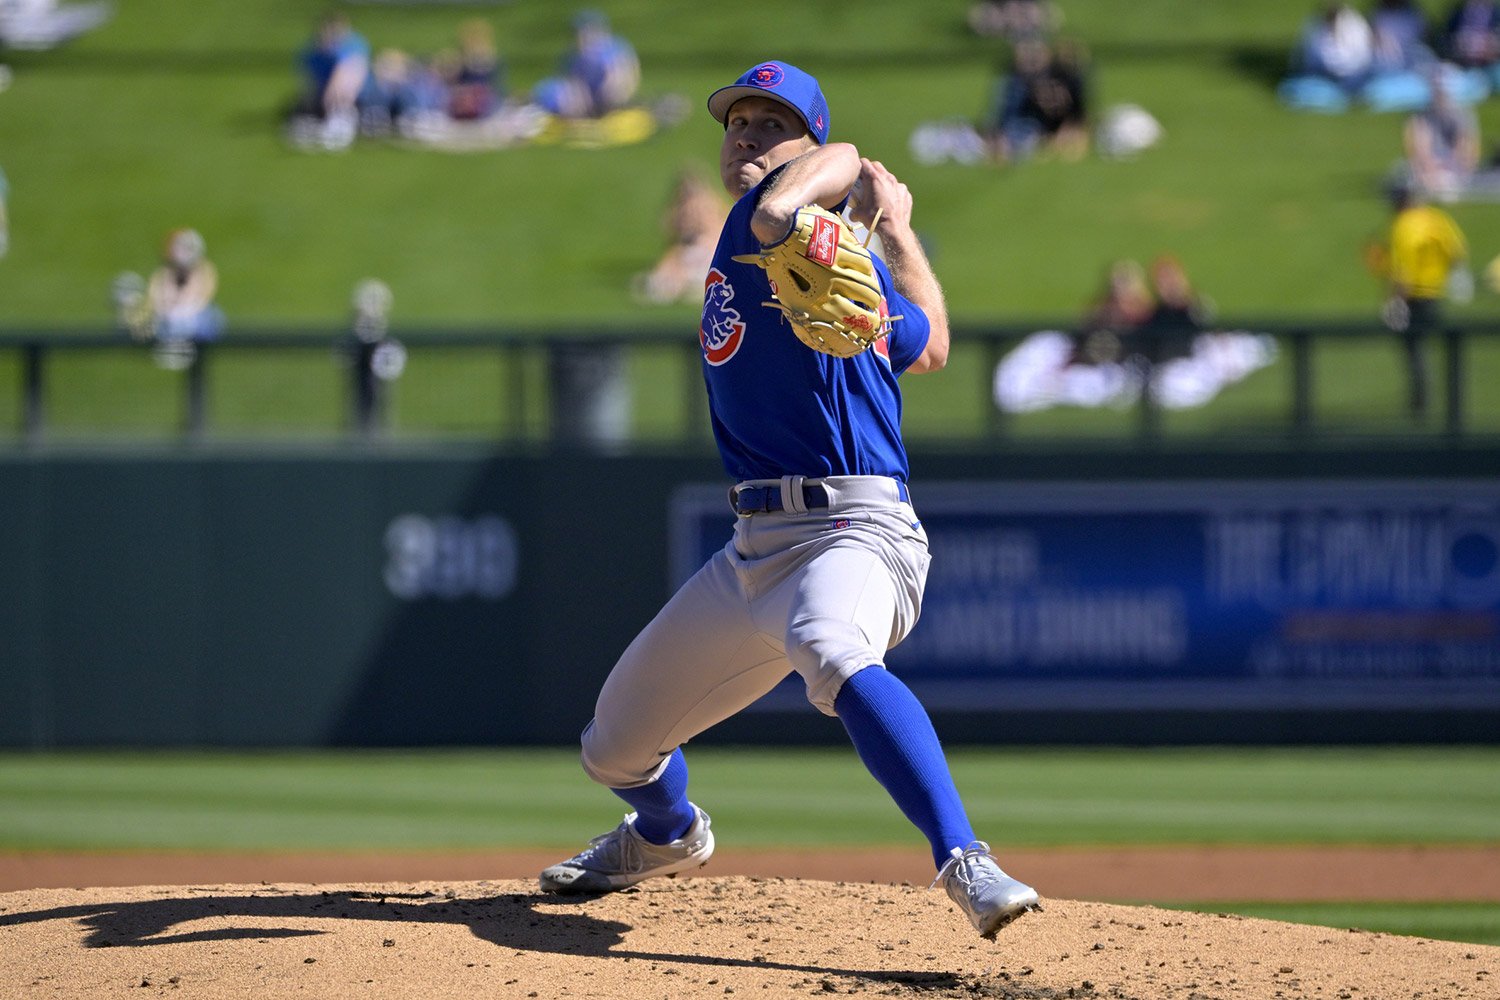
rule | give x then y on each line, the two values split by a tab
759	135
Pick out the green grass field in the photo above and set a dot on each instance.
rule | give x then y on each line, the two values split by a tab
1478	923
167	116
441	800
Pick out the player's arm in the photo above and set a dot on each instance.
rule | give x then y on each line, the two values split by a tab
822	175
878	189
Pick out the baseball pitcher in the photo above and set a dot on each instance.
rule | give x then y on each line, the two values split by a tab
805	334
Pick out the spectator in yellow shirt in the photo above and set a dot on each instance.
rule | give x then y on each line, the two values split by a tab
1423	254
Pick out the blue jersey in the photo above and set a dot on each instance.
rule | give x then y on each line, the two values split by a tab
780	408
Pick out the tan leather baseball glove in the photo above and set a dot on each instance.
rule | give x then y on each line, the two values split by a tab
824	282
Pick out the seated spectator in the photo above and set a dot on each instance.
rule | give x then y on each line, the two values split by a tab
1014	19
1331	62
1191	363
1384	63
693	222
1403	71
336	68
1471	35
1177	317
1111	360
1042	103
180	293
1442	147
403	94
1123	305
600	75
1088	368
476	75
1399	33
1338	46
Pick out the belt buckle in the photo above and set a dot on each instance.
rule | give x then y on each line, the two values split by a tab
736	493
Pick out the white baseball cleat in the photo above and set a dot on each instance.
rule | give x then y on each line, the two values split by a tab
622	857
989	897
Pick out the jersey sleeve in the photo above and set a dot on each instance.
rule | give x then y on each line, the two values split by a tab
909	333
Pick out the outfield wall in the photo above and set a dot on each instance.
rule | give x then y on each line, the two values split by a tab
391	596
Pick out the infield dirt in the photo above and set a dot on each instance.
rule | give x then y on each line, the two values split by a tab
712	935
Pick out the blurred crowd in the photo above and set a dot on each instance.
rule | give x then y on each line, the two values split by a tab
349	90
1395	57
1392	55
1040	102
1147	331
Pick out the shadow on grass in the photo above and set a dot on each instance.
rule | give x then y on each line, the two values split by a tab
1268	65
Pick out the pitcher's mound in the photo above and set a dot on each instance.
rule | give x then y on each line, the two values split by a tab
697	937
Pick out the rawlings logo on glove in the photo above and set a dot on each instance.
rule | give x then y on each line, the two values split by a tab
823	245
825	284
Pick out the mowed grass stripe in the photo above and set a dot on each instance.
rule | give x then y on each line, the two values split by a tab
1478	923
437	799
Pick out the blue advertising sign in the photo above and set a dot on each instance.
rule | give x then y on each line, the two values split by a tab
1321	594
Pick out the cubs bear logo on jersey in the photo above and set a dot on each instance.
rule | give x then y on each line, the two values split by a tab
721	331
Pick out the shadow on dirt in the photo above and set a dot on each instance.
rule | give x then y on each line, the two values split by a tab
509	920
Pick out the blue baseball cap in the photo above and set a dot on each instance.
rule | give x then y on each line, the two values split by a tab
782	82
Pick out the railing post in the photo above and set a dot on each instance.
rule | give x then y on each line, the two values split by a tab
695	396
33	414
516	371
1455	371
1150	409
993	354
589	393
365	395
1302	374
196	405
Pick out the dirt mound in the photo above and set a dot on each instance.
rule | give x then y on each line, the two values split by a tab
699	937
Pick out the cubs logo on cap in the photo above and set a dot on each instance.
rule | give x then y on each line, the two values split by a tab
777	81
767	75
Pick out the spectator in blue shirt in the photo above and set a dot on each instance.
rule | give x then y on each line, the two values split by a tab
600	75
336	68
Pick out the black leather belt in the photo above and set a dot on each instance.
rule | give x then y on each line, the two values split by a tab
764	499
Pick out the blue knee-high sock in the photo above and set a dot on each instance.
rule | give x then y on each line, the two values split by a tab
894	737
662	808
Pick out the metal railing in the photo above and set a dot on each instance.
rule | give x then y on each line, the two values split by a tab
582	363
